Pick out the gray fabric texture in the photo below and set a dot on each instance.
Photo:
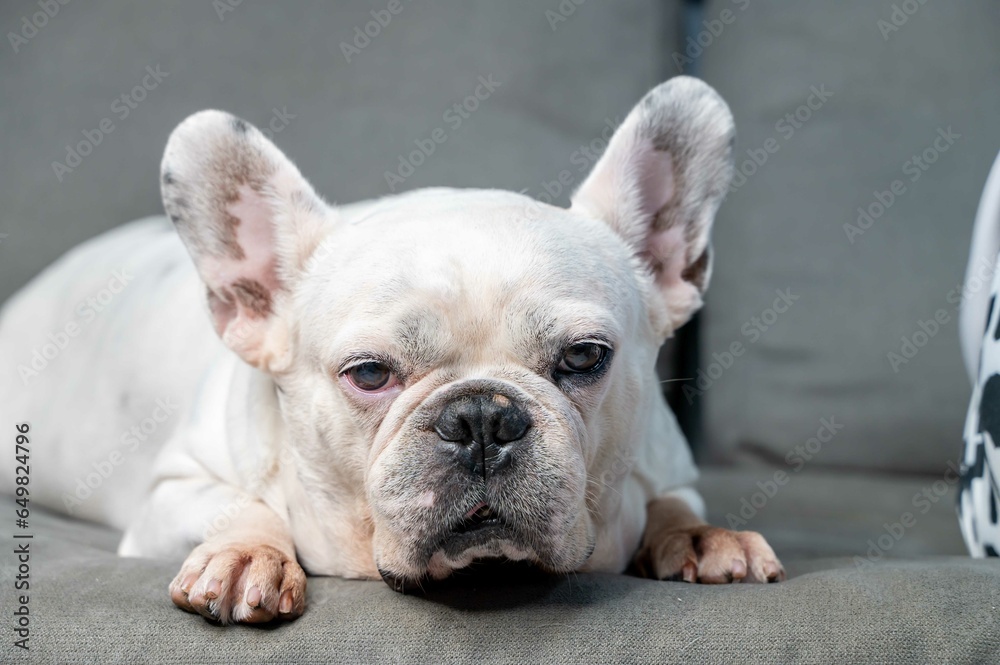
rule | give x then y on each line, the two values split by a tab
784	228
816	512
352	120
87	606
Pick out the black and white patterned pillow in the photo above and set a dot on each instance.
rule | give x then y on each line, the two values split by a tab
980	493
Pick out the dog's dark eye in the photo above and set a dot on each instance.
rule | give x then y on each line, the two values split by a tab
369	376
583	357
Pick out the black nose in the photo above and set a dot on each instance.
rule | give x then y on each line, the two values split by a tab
483	427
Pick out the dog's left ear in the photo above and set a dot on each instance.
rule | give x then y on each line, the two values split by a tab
250	221
659	184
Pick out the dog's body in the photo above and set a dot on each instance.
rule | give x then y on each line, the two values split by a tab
404	386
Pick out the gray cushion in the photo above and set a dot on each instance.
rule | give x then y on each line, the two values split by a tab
88	606
784	228
815	512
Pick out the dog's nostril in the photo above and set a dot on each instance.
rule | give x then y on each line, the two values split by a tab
452	429
513	427
482	419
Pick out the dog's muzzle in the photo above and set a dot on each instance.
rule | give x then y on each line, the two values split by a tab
480	472
483	432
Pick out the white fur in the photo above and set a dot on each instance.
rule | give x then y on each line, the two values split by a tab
315	457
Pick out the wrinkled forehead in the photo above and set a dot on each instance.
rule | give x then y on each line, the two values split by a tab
476	264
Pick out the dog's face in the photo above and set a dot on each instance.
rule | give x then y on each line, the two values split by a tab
466	362
474	346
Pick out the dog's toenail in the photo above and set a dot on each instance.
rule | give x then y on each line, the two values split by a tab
286	603
739	569
253	597
213	590
188	583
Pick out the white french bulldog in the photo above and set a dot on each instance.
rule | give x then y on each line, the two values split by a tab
404	386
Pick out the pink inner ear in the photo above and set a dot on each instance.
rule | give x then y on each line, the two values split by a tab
655	170
666	249
255	235
248	283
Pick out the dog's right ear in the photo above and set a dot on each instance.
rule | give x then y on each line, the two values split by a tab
250	221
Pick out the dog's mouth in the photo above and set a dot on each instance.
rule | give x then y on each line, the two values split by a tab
481	526
480	540
480	516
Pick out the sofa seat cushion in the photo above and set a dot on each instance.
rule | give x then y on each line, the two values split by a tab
86	605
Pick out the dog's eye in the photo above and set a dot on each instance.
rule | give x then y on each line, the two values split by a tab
583	357
369	376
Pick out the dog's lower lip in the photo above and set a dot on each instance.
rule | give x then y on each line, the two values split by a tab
400	584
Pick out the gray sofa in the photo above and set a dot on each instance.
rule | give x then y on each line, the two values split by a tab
862	513
91	607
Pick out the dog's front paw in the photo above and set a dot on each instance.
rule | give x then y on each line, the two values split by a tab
239	583
709	555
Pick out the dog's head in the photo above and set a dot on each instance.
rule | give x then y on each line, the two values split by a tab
462	362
